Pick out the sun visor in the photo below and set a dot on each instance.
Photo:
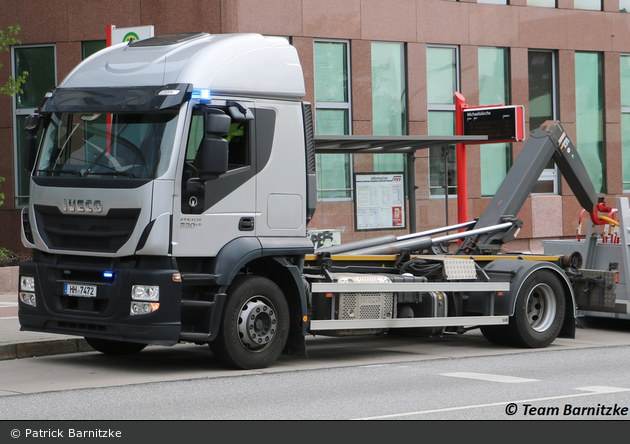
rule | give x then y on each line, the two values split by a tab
102	99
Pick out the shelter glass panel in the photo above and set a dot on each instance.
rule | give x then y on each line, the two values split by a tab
589	116
494	89
389	99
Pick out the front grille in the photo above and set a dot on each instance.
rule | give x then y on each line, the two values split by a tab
79	327
106	234
83	261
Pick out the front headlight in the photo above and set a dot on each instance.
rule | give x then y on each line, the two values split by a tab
27	283
145	293
141	308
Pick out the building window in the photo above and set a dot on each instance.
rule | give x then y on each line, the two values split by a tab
494	2
589	116
389	99
625	119
591	5
39	62
332	116
91	47
442	83
494	89
543	106
542	3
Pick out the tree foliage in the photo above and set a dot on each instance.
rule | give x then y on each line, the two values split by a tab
13	85
8	39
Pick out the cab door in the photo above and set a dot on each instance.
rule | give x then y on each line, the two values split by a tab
212	211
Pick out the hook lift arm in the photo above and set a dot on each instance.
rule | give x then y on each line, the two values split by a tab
550	141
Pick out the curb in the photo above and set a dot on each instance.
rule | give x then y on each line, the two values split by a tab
43	348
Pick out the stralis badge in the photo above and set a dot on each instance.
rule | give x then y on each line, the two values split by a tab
189	222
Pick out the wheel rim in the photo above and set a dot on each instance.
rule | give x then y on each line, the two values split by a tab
257	324
541	307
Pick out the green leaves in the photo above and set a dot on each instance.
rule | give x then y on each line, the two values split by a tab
8	39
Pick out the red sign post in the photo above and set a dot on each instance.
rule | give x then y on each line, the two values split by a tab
500	123
462	185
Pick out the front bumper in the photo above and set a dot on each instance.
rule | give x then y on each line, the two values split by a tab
108	314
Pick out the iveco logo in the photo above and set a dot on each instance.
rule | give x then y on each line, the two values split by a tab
82	206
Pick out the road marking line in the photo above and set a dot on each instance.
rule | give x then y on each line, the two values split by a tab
488	377
602	389
595	390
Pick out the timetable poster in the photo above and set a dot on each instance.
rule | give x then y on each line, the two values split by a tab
380	201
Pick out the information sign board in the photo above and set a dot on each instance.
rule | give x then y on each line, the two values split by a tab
380	201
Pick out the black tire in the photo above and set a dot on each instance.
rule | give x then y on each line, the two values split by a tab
111	347
255	324
495	334
539	312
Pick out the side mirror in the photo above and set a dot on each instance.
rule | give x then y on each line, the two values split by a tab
217	122
215	157
31	126
30	152
215	147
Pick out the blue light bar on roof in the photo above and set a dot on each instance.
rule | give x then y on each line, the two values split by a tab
201	94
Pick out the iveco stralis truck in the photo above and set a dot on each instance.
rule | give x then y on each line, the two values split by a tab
172	182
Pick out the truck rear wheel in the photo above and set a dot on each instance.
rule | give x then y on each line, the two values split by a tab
255	324
495	334
111	347
538	315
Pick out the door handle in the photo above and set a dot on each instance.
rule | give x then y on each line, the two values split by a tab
246	224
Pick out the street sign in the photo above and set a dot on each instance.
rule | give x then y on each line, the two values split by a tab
499	123
122	35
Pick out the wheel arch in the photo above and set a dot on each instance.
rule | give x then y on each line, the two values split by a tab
286	275
517	272
279	260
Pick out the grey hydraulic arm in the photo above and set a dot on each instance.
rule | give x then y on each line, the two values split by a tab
549	141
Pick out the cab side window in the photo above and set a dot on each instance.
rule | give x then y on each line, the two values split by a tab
237	138
238	146
239	158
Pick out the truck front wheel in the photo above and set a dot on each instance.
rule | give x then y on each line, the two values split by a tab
255	324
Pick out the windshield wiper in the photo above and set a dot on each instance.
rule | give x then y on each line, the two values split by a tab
53	171
110	173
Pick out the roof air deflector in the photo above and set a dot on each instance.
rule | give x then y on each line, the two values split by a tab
166	39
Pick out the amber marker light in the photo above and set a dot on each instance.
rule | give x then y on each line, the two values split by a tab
305	319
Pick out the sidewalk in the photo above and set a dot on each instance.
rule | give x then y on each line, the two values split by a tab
25	344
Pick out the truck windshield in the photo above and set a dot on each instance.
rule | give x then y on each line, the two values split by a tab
114	145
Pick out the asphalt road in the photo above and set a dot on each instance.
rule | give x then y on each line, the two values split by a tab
371	378
385	377
160	385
